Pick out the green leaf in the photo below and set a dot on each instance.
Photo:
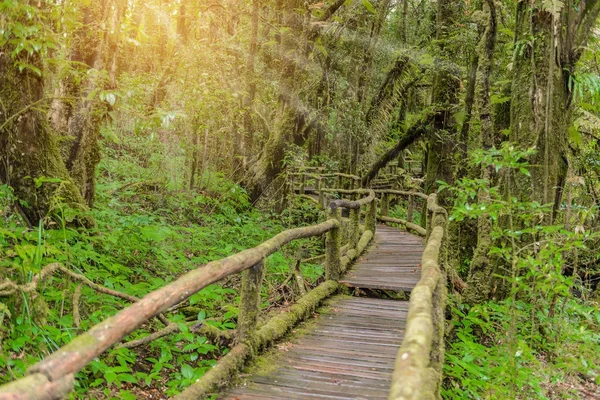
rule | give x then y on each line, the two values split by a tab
367	4
126	395
110	377
187	371
127	378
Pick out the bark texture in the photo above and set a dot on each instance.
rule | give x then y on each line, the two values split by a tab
30	150
541	98
479	284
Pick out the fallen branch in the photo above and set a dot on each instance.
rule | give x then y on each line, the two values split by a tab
213	333
8	287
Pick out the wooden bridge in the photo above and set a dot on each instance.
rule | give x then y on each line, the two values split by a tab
358	348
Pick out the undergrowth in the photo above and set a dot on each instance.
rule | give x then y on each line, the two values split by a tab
149	230
536	333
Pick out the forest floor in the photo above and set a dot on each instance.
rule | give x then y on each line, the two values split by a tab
148	232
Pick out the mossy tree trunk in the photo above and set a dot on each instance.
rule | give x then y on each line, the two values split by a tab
441	150
445	99
31	162
541	99
479	285
94	49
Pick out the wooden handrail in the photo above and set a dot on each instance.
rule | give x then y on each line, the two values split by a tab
53	376
418	370
403	193
71	358
352	205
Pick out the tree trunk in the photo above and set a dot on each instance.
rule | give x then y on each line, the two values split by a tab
539	109
541	99
479	284
445	97
30	161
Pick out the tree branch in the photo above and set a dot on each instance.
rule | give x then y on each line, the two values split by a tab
414	132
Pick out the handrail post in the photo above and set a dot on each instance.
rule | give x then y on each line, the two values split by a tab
354	227
371	216
410	209
385	204
320	188
340	181
332	247
303	184
250	301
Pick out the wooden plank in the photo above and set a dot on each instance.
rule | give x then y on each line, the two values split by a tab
350	350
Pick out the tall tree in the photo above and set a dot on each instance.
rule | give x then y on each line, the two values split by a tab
549	40
30	159
444	98
479	284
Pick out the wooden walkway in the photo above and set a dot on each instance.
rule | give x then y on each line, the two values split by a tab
349	351
393	262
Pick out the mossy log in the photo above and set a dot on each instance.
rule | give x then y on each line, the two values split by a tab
311	199
250	300
385	204
352	254
353	205
278	326
413	227
354	227
413	378
413	133
418	370
332	247
77	354
37	387
371	216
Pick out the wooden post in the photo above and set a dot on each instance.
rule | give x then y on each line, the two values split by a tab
354	227
303	185
320	188
340	182
292	185
410	209
332	248
371	216
250	301
286	195
385	205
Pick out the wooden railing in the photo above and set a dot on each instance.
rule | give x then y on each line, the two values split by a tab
53	377
418	369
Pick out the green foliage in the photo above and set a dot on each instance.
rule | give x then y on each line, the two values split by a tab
537	331
144	238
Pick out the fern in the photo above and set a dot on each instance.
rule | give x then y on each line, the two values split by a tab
585	85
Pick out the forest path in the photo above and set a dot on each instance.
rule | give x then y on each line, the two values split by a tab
349	350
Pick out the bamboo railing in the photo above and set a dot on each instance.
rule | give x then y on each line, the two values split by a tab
54	377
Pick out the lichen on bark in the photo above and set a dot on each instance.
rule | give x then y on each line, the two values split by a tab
31	160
